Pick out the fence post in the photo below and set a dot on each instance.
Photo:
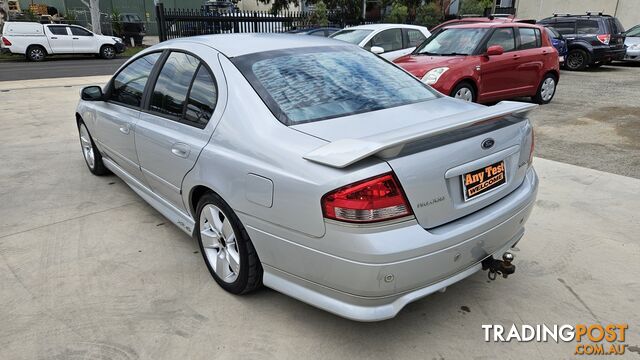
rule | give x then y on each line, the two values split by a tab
255	22
162	30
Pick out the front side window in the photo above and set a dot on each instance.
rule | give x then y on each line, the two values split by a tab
415	37
354	36
389	40
503	37
80	32
585	27
634	32
529	38
170	92
129	84
312	84
58	30
452	41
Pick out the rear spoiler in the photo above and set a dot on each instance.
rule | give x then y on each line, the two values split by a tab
344	152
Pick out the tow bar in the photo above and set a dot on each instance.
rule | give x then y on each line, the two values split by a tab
495	267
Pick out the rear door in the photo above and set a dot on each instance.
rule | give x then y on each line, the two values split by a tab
60	39
391	41
83	41
532	58
499	74
177	122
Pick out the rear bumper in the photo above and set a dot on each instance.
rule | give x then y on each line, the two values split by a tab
632	55
376	279
5	51
607	54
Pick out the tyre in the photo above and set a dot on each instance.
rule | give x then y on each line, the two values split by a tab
576	60
225	246
108	52
92	156
546	90
36	53
464	91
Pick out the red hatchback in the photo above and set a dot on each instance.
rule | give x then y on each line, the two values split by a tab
487	62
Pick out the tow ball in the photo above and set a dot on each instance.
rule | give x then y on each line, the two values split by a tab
503	267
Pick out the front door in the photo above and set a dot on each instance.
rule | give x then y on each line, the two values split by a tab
499	73
83	41
117	117
173	130
532	60
59	39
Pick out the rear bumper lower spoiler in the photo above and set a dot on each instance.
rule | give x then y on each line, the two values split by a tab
344	152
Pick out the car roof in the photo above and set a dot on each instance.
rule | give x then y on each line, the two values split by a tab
491	25
232	45
384	26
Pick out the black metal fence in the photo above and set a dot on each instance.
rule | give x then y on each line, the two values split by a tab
175	23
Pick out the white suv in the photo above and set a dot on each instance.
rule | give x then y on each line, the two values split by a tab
36	41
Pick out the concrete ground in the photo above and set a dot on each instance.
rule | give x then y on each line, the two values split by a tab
90	271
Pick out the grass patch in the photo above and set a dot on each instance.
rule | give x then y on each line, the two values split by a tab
130	51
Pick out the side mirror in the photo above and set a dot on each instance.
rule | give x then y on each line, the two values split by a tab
92	93
377	50
495	50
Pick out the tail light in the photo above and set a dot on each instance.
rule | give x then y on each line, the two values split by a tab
376	199
6	41
604	38
533	145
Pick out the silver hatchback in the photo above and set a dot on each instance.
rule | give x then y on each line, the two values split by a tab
315	168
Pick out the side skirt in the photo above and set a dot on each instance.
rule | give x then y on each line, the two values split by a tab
179	218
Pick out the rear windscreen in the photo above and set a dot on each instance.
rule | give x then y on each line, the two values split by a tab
311	84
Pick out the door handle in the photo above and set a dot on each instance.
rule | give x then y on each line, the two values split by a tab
53	37
76	38
181	150
125	129
516	57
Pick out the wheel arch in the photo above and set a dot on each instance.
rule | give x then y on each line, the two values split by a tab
195	194
36	45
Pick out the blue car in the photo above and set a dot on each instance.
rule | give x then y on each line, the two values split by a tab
558	42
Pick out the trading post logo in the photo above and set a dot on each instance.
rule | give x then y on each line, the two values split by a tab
590	339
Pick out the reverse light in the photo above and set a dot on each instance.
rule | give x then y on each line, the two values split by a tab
376	199
604	38
6	41
433	75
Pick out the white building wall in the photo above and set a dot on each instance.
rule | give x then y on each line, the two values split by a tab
255	5
628	11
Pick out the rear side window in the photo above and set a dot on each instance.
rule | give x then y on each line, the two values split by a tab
529	38
170	92
414	37
318	83
129	84
565	28
587	27
58	30
80	32
202	99
389	40
503	37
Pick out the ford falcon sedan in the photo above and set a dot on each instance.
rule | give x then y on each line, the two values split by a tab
313	167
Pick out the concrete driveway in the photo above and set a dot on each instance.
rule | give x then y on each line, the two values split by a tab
90	271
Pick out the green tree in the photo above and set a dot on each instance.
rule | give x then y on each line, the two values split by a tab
398	13
428	15
319	16
474	7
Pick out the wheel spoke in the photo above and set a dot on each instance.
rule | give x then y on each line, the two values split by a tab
226	230
233	258
210	240
214	219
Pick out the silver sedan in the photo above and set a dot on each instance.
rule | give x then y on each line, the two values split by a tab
315	168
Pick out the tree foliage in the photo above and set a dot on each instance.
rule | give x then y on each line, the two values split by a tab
398	13
428	15
475	7
319	16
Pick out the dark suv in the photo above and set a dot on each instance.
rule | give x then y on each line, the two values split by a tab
593	39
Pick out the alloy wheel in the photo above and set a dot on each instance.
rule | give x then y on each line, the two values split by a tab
108	52
36	54
87	146
220	243
574	60
464	94
548	89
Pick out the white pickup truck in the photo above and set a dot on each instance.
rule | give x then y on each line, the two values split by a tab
36	41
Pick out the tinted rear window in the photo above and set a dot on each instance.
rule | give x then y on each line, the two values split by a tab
587	27
311	84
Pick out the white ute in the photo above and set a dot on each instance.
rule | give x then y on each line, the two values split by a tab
36	41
